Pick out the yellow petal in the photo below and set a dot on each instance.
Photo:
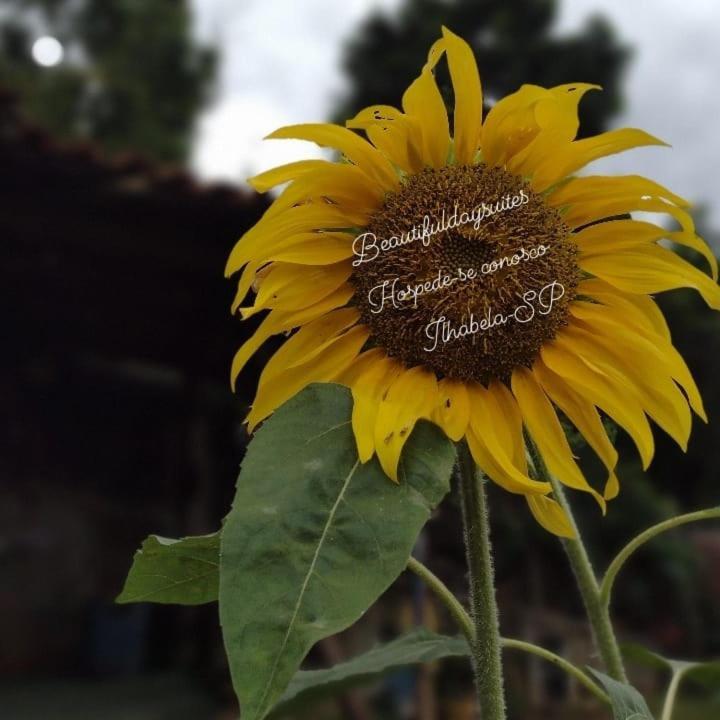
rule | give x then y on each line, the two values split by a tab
649	270
682	375
289	287
423	102
593	210
318	248
323	368
396	135
640	310
244	284
583	415
364	416
351	145
614	400
573	156
342	184
550	515
310	340
269	179
278	321
498	467
301	219
616	235
547	433
593	187
369	386
510	125
632	365
453	411
560	110
467	118
588	203
617	324
556	116
361	364
491	439
403	146
510	426
411	396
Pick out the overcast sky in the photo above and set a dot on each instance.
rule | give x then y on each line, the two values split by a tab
280	65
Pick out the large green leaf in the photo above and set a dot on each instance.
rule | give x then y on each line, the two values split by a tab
627	703
314	537
419	646
185	571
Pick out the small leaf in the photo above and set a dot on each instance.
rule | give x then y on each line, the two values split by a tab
705	673
419	646
314	537
642	656
184	571
627	703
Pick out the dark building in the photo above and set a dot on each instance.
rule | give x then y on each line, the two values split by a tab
118	417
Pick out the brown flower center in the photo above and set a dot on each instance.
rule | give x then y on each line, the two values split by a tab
465	270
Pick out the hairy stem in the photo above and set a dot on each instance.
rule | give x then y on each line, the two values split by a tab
485	646
598	615
460	615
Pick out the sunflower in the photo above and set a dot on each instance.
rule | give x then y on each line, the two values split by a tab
474	280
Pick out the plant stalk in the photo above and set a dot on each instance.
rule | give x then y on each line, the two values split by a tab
558	661
637	542
597	612
463	620
485	646
441	590
671	695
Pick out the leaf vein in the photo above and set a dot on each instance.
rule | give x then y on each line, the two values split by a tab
306	581
169	586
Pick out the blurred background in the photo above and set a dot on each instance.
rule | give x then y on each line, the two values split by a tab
127	129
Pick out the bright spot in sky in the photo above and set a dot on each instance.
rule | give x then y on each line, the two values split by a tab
47	51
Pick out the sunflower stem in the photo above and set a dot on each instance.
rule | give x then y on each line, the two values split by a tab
463	620
486	645
597	611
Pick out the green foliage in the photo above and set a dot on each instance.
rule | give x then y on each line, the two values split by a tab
704	673
314	537
627	703
133	77
184	572
513	44
419	646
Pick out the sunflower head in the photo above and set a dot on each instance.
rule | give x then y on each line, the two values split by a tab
483	259
469	277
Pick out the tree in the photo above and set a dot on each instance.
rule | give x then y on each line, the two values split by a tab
513	44
133	78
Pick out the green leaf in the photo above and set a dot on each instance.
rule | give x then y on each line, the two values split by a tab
419	646
314	537
184	571
642	656
627	703
705	673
